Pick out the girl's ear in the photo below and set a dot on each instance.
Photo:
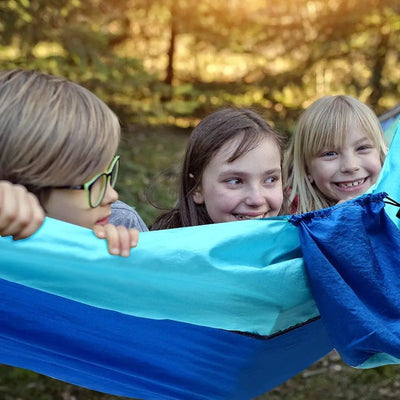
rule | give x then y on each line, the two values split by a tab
310	178
198	196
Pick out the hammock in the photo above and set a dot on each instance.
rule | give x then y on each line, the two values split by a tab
389	121
222	311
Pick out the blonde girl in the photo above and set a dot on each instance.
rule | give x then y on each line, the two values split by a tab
336	153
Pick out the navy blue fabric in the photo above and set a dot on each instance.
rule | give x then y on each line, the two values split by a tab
143	358
352	256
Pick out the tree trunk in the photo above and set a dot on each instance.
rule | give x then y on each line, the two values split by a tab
169	76
379	64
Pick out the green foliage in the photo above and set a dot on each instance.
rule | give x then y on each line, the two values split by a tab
150	163
293	51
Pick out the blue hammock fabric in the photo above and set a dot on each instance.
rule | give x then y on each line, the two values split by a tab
164	323
144	358
355	278
131	326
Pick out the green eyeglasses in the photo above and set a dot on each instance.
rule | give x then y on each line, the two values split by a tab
96	188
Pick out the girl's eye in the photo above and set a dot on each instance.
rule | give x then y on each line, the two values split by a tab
365	147
233	181
271	179
328	154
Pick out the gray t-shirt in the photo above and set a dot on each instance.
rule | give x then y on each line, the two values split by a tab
122	214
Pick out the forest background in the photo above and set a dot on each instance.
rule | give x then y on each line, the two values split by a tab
162	65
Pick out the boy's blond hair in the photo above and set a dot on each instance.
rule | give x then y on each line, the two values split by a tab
52	131
325	124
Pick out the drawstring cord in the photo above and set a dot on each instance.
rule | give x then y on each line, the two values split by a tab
393	202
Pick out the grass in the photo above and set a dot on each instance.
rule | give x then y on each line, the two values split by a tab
332	379
20	384
150	159
328	379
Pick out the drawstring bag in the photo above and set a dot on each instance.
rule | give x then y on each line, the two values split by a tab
352	256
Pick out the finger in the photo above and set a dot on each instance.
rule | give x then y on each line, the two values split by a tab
20	212
124	241
7	215
31	217
134	237
99	231
112	237
8	205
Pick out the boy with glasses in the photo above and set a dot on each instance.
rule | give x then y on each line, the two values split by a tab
59	140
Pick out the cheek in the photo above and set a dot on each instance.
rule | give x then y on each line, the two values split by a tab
69	207
378	164
276	198
375	171
321	172
221	199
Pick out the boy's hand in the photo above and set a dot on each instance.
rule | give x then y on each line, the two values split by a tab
21	215
120	240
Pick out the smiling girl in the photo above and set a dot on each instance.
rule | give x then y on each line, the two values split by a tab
336	153
231	172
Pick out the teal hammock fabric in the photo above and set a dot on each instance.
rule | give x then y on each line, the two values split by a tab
223	311
389	122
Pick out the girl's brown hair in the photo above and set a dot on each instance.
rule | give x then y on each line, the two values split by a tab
206	139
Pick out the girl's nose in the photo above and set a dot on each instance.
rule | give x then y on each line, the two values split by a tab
349	164
255	197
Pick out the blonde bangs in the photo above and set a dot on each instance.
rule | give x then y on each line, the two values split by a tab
325	130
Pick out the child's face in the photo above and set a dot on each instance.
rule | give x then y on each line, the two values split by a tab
72	206
249	187
347	172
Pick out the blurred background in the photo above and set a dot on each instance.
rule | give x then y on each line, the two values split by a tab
162	65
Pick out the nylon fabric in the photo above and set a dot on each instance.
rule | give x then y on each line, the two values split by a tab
143	358
355	277
232	276
389	178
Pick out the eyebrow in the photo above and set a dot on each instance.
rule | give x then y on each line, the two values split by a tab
238	172
338	146
363	139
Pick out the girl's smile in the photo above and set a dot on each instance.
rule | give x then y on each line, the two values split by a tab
249	187
353	186
348	171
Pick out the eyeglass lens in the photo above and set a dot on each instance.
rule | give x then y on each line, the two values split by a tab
99	186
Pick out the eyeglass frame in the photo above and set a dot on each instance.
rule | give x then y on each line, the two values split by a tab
87	185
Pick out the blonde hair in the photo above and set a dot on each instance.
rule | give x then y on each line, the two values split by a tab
52	131
325	124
